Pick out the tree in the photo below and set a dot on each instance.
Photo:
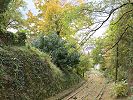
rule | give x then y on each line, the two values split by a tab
84	65
65	19
12	17
4	5
120	32
106	9
120	36
62	52
97	52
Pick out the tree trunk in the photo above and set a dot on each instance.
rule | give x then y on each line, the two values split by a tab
130	81
117	63
130	69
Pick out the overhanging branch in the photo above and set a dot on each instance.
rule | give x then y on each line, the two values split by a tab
94	30
118	39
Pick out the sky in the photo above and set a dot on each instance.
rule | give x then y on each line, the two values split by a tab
31	7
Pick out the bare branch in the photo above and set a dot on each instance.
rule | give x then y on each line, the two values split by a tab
111	12
10	23
118	40
121	17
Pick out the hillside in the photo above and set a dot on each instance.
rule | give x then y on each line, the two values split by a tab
26	73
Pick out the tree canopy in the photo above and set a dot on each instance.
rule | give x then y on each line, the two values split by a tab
65	19
12	17
4	5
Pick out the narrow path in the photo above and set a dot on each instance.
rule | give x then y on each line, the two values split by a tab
89	91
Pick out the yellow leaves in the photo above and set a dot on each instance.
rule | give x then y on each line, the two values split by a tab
80	1
52	9
31	18
57	16
29	14
51	12
53	6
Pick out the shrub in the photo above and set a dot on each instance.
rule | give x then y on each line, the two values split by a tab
9	38
120	89
21	38
59	50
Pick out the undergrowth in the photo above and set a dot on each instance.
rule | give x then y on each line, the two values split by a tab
120	89
28	74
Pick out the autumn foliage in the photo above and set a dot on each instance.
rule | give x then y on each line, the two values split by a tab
59	17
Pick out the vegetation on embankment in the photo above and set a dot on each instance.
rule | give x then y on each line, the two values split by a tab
27	73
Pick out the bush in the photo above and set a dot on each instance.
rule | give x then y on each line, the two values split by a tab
59	50
120	89
21	38
9	38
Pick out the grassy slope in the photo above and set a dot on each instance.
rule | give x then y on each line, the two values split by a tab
27	74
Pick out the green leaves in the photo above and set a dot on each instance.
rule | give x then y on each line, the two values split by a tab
97	51
120	89
12	17
4	5
63	54
65	20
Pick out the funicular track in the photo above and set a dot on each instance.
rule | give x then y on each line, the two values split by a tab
93	89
